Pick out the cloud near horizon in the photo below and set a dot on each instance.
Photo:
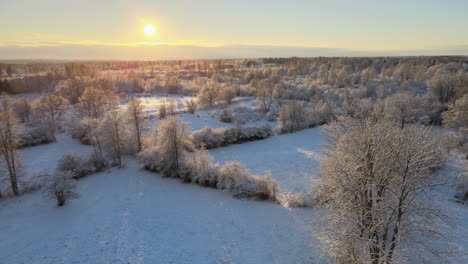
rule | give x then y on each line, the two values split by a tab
97	50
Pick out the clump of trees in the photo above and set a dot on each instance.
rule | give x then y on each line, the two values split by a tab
50	109
374	178
296	115
171	144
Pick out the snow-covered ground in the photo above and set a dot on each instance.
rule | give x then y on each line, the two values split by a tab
293	159
133	216
38	161
200	119
43	159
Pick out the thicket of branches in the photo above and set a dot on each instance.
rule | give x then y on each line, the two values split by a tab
375	179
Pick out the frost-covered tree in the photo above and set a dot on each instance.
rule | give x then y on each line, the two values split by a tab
50	109
209	94
172	142
112	130
374	178
94	102
61	187
167	107
292	117
265	93
8	134
135	113
404	108
227	94
95	139
457	114
443	86
23	109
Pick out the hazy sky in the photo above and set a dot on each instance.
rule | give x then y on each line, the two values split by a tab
241	28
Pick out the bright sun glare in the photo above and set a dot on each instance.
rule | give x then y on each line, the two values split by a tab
150	29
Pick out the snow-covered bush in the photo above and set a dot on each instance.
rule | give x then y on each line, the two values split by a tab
75	164
210	138
61	187
243	114
296	200
226	116
237	179
36	135
253	133
79	131
191	106
272	114
150	159
200	169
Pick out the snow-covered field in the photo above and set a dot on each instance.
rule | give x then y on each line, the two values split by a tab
293	159
132	216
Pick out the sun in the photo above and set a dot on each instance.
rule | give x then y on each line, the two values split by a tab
149	29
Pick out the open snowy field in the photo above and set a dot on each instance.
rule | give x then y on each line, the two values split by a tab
293	159
132	216
200	119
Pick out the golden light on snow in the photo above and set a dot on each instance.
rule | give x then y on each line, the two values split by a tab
149	29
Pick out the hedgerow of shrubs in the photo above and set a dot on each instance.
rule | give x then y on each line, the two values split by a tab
233	177
210	138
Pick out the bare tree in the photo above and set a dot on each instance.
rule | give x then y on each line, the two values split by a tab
61	187
172	143
374	178
135	112
8	134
